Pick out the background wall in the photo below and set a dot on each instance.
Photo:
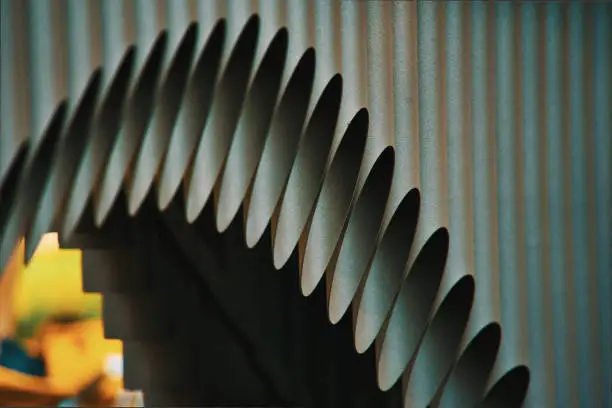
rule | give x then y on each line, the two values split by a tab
499	114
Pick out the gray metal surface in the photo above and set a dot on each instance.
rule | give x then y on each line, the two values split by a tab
498	209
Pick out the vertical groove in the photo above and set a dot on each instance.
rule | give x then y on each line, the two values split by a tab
161	14
556	185
454	130
269	11
505	131
591	222
80	62
95	29
327	62
578	212
544	395
146	30
112	35
539	335
433	175
58	35
405	99
485	238
21	71
522	278
129	21
299	15
41	55
208	14
8	131
461	235
299	39
324	39
601	102
178	19
353	59
238	12
380	80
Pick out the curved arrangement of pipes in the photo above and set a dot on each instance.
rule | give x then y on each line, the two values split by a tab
399	199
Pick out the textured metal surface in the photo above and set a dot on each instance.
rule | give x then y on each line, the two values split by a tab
494	206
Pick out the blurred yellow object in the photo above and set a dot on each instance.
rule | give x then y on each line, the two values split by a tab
8	285
75	352
52	284
21	390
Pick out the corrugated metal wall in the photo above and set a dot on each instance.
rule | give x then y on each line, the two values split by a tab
500	114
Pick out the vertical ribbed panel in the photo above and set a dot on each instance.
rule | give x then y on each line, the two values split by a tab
501	114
